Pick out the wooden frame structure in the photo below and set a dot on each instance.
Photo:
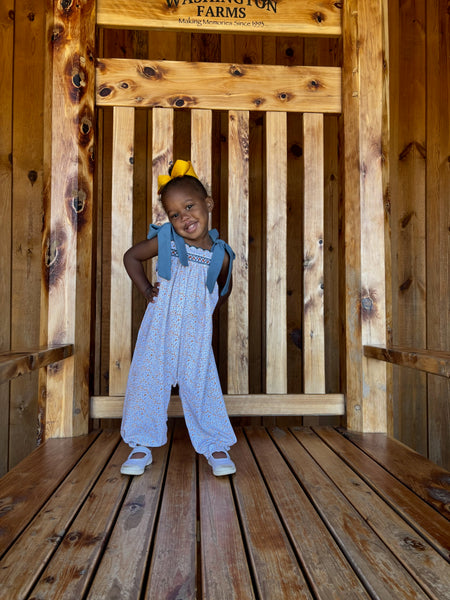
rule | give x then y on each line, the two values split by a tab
356	90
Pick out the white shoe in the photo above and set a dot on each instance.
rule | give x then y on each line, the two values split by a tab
222	466
136	466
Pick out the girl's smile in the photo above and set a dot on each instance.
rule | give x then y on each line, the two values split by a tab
189	214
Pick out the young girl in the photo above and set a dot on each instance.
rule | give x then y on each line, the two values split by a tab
174	340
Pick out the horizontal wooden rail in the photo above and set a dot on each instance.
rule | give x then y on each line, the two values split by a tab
16	363
431	361
217	86
110	407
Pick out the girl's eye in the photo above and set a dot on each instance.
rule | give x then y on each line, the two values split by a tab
189	206
174	216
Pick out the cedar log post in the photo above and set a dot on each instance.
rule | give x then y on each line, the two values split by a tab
364	222
68	197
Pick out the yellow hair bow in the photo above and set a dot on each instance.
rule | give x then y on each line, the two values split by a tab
179	169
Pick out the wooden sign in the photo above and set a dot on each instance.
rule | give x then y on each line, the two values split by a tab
309	17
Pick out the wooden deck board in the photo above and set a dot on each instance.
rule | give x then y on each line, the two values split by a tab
308	514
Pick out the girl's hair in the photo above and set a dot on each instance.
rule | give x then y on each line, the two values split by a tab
186	180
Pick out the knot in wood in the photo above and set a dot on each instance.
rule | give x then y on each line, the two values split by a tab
314	84
367	304
104	92
318	17
32	176
258	101
236	71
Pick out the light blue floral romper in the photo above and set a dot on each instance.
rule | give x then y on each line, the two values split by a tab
174	347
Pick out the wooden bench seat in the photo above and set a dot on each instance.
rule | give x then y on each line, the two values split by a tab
310	513
18	362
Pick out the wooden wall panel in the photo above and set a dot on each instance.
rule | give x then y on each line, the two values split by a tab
6	121
408	162
438	221
27	212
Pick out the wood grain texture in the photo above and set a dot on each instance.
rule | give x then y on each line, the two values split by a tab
238	234
328	571
219	86
121	241
438	217
14	364
53	520
424	518
39	474
278	574
310	18
201	143
174	561
75	559
6	121
313	276
426	479
132	534
240	405
399	537
431	361
225	574
276	218
362	546
68	199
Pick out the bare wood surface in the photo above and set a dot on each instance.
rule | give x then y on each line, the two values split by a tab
48	528
413	552
173	567
72	566
238	234
121	239
132	535
218	86
16	363
426	479
362	546
310	18
276	218
6	122
277	572
431	361
103	407
431	525
329	573
27	486
201	157
68	200
225	574
313	276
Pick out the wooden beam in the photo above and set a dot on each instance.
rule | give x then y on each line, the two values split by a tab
238	227
310	17
313	236
276	225
68	199
121	239
14	364
364	259
110	407
218	86
431	361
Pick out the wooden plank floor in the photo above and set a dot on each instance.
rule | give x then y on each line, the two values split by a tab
310	513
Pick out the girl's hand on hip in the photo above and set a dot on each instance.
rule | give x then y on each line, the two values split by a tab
151	292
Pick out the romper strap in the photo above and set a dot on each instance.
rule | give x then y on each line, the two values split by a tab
166	234
218	254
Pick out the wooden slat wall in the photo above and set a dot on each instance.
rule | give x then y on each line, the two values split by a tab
121	239
238	228
276	248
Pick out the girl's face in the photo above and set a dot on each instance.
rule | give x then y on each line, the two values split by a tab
188	213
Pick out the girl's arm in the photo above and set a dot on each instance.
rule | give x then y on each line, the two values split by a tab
133	259
222	279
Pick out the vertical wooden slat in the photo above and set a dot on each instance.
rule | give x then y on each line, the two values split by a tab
276	177
438	220
364	258
162	156
238	227
201	132
313	281
408	216
6	106
121	240
68	200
